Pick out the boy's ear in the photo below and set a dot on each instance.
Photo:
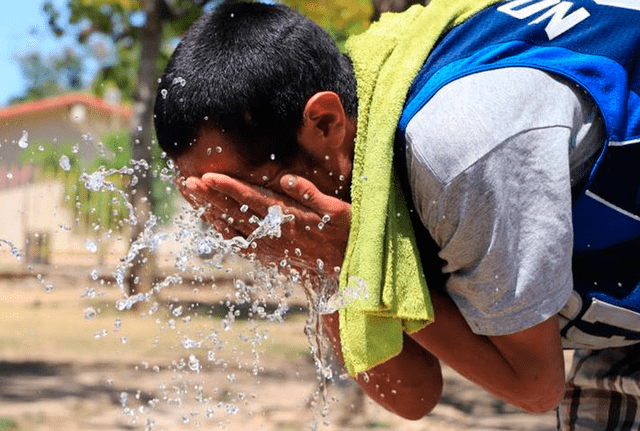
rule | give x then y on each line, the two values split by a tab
324	124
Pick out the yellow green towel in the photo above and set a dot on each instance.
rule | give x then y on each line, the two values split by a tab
382	253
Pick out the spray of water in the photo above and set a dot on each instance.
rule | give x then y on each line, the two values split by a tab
252	293
15	252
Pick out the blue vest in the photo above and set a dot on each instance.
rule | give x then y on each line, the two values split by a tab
596	45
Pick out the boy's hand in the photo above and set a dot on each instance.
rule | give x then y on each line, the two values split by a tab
305	240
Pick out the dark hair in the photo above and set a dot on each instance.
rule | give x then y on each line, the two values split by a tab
248	69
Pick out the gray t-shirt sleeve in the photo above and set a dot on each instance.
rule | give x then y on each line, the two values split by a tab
491	161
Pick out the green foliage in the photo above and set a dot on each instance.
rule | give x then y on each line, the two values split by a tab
113	29
51	75
340	19
7	424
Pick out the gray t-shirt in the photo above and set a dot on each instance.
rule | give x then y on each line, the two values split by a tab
491	159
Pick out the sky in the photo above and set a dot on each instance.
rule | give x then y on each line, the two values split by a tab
23	28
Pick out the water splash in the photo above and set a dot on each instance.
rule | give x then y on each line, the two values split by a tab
97	181
202	250
24	140
15	252
65	163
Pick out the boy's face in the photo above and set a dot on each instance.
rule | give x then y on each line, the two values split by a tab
214	153
215	177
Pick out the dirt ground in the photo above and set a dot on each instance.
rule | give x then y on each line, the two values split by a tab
70	361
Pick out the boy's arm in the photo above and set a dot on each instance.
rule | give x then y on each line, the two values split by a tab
525	369
409	384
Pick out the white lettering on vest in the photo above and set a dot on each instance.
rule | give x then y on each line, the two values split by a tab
559	21
625	4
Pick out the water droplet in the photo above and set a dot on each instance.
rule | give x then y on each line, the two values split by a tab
306	196
209	151
65	163
320	225
320	264
265	178
91	246
24	140
9	175
194	364
117	324
188	343
180	80
218	150
325	218
272	156
89	313
163	93
244	208
297	252
75	149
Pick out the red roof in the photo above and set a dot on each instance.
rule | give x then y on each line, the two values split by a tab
60	101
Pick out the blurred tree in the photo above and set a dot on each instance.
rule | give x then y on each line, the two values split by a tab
340	19
49	76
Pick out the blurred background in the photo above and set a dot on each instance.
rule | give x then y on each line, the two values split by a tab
114	315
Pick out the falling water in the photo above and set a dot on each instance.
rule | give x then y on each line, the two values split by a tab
253	292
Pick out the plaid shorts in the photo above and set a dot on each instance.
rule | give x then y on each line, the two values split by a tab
603	391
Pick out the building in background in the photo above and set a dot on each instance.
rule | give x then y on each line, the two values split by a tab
34	217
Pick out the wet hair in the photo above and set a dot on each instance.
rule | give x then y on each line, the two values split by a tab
248	69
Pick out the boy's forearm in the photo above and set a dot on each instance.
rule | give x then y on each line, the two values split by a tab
525	369
408	384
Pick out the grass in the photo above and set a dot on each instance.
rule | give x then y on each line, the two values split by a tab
7	424
45	326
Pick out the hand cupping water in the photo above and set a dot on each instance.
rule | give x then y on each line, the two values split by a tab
318	231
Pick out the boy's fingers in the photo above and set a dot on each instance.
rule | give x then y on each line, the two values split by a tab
256	198
307	194
302	191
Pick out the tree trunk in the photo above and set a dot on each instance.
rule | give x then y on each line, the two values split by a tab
381	6
141	270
